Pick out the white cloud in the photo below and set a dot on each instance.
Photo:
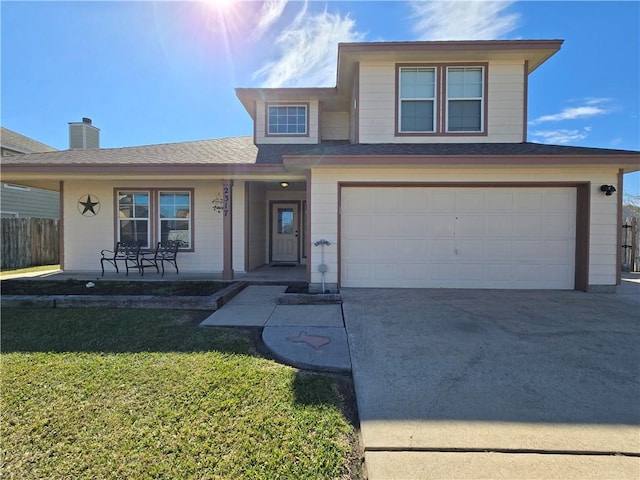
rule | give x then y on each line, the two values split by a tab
462	20
269	14
308	50
561	136
572	113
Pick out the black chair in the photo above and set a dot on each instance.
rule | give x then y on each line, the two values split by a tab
125	252
165	252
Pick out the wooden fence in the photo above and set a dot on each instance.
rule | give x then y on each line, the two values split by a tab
631	244
29	242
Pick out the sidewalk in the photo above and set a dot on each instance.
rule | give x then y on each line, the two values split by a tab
305	336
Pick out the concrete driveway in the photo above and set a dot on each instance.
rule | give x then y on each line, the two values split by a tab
496	384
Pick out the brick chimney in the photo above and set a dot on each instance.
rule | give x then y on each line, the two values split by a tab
83	135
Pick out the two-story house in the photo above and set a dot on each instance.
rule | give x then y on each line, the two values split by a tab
21	200
415	168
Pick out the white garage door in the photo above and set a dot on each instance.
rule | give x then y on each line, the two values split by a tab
451	237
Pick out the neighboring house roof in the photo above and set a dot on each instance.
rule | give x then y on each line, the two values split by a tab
11	140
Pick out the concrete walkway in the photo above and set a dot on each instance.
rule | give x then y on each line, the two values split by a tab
305	336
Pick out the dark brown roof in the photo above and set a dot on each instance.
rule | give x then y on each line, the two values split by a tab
455	149
241	151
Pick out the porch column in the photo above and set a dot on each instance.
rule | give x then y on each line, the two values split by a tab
227	230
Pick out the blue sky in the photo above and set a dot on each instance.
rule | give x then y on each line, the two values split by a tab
158	72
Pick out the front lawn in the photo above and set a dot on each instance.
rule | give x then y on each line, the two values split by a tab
149	394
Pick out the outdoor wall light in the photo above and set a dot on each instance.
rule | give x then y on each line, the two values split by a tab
286	184
608	190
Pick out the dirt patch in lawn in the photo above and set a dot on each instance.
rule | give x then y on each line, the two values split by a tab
110	287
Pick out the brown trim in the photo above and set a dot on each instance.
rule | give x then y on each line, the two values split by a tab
583	202
227	230
246	224
154	210
356	99
255	124
630	160
619	223
319	132
309	232
440	108
284	202
515	184
448	45
525	101
81	169
61	227
583	222
339	239
307	105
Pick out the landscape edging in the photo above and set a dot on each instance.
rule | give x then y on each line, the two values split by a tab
210	302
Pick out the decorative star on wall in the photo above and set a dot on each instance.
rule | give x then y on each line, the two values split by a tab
89	205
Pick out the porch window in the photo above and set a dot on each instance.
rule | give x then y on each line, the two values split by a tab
175	217
287	120
151	216
134	217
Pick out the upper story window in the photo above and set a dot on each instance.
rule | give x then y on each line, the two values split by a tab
287	120
417	93
465	94
441	99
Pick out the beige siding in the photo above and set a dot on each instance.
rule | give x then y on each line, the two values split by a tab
86	236
258	227
261	120
377	113
335	126
603	229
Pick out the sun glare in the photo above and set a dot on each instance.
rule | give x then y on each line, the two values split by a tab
220	4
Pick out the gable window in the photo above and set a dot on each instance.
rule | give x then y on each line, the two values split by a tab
417	99
151	216
464	99
287	119
441	99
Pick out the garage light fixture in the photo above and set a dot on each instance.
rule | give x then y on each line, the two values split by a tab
608	190
284	184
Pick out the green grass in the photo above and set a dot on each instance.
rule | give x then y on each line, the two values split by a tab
41	268
148	394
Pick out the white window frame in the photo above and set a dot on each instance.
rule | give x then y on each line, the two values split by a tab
269	106
148	218
481	99
433	99
189	219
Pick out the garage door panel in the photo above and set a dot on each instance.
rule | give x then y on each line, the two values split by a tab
448	237
383	249
358	225
413	200
440	225
499	201
412	225
441	200
357	249
469	225
528	201
383	225
385	200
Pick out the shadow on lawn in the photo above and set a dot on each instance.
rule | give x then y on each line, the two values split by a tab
117	331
